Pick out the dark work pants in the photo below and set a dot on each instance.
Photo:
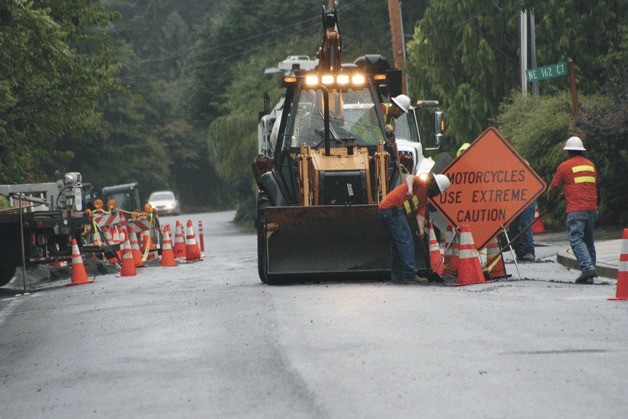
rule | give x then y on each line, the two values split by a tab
403	262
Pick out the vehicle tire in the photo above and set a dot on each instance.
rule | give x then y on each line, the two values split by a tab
262	270
6	274
261	252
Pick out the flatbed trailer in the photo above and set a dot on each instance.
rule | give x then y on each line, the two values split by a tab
40	234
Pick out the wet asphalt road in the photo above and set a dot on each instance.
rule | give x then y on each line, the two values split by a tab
209	340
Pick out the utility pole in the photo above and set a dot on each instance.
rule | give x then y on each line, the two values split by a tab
398	41
523	50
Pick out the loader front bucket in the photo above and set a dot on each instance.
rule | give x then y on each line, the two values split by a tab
329	242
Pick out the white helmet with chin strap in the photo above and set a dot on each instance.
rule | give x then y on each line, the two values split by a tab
403	102
574	143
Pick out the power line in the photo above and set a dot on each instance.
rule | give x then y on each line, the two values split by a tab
240	41
257	47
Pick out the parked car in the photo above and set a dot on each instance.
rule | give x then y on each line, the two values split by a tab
305	62
164	202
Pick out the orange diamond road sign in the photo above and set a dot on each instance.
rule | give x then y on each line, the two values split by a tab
491	184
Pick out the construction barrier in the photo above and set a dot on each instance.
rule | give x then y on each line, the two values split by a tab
499	268
435	254
469	268
79	274
201	238
179	241
107	230
538	227
135	249
128	264
622	272
167	254
192	252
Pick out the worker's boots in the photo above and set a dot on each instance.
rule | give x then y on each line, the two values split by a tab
586	277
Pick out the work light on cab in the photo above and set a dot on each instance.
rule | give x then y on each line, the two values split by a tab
358	79
311	80
327	79
342	79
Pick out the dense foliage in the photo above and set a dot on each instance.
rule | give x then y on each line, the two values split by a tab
56	64
466	53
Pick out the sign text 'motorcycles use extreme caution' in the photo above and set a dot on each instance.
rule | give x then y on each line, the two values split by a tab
490	185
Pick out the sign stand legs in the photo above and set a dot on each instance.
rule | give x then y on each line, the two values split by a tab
512	252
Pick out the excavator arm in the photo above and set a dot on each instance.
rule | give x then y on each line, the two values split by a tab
330	51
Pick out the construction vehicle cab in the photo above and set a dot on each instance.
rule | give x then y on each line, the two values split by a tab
126	196
325	163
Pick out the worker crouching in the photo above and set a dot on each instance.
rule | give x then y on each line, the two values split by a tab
408	198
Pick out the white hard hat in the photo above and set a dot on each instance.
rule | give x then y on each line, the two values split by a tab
574	143
443	182
403	102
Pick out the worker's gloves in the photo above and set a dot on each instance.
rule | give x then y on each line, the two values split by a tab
389	129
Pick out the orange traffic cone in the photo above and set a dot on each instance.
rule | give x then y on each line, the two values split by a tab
135	249
128	264
179	242
469	269
79	274
192	252
145	235
622	273
436	264
115	235
492	252
201	239
167	254
538	227
453	252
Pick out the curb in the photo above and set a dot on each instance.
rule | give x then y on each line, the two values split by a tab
566	258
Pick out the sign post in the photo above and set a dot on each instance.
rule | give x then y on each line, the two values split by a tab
557	70
491	184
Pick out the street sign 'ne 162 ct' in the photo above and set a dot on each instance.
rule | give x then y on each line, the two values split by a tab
547	72
491	184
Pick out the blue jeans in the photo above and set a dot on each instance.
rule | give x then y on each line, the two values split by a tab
580	225
403	263
525	243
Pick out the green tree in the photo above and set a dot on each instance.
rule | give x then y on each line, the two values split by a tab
466	53
55	66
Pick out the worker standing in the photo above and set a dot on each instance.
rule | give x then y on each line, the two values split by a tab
400	105
413	193
578	178
366	129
